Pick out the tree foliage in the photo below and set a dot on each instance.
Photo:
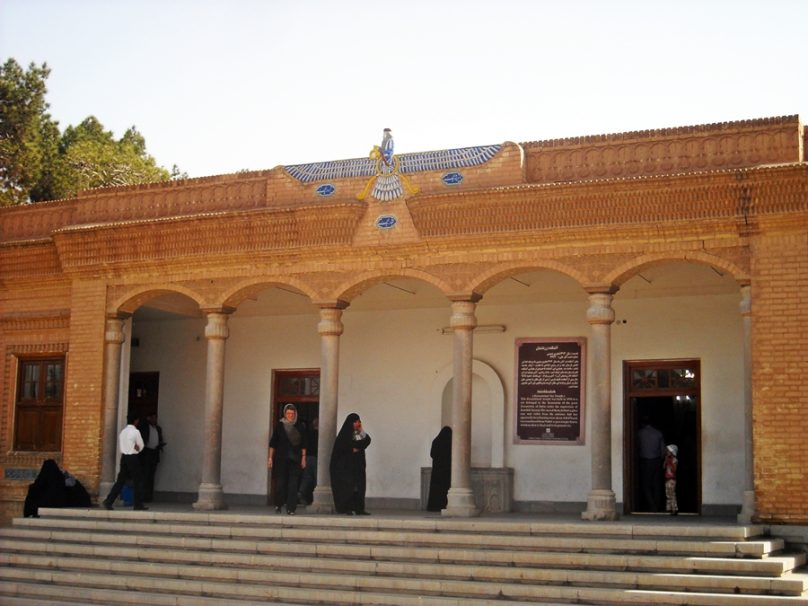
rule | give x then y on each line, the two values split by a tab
37	162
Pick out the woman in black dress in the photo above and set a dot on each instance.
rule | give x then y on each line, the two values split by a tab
441	479
348	467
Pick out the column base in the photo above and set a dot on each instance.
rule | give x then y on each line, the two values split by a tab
600	505
103	490
461	504
210	497
322	502
748	507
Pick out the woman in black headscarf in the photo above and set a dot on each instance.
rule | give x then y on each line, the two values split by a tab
441	479
348	467
48	490
287	458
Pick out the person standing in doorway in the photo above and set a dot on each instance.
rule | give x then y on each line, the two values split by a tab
309	480
651	447
152	435
670	465
287	458
348	467
131	443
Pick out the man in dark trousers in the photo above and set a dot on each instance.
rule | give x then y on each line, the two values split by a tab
651	450
153	444
131	443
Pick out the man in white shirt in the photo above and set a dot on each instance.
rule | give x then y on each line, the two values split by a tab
131	443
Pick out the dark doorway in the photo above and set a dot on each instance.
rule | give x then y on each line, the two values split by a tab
668	394
144	391
301	388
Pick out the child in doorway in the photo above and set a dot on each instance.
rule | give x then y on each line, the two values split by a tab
669	465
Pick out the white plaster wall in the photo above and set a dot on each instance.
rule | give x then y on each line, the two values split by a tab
707	328
177	350
388	362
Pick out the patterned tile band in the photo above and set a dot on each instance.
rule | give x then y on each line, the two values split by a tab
20	474
409	163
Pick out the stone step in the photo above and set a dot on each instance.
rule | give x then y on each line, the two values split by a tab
501	526
265	554
24	594
62	527
180	558
340	572
96	588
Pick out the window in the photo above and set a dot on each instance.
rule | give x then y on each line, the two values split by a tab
40	397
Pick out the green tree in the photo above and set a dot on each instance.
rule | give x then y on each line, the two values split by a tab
37	162
28	136
91	157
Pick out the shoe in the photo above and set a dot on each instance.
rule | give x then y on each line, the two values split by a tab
363	513
141	508
107	506
291	513
277	510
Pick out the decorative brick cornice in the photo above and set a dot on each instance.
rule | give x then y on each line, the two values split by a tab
677	131
57	319
651	201
217	234
728	145
32	258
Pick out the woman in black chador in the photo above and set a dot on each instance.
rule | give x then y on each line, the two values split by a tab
287	458
348	467
441	454
54	488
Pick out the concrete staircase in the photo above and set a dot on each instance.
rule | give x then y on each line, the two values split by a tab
181	558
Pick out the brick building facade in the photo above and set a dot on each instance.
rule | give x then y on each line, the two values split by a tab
295	249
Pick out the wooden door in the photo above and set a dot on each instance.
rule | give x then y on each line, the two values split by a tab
668	393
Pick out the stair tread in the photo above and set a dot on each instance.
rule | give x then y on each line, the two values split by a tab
283	572
179	558
108	544
750	548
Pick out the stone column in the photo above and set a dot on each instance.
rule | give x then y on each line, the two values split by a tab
748	506
600	504
330	329
461	498
113	342
210	489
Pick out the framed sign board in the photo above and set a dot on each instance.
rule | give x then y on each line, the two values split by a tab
550	391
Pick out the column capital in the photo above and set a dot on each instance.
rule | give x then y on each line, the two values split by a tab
746	301
463	315
600	308
330	321
216	328
113	333
601	289
468	297
224	310
331	303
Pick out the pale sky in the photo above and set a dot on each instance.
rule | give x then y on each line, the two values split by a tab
220	86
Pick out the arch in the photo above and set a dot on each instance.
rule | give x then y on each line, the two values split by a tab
497	392
493	276
236	294
347	291
620	275
131	301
